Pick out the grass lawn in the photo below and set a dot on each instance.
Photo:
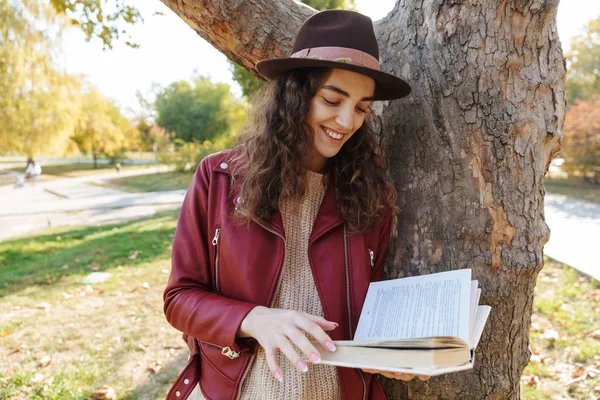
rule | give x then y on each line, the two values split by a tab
152	182
60	339
565	337
574	187
81	169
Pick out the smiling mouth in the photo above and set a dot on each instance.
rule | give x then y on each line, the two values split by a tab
332	134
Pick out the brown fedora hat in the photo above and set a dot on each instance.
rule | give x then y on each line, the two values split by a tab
338	39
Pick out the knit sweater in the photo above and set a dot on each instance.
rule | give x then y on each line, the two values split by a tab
297	291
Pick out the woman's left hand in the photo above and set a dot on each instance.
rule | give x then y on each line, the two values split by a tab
396	375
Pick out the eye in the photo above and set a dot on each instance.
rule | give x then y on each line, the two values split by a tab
331	103
362	110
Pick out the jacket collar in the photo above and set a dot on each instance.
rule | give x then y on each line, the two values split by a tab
328	216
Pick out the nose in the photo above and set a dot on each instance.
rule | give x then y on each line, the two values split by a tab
345	118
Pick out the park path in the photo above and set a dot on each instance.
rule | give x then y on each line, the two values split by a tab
575	233
77	201
574	224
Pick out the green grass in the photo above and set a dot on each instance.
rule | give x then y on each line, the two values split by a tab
82	169
111	333
152	182
104	334
566	313
574	187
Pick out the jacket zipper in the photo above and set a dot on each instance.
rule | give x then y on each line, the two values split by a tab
247	370
348	303
372	255
215	242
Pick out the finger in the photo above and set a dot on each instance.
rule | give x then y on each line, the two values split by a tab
397	375
288	350
322	322
314	330
302	342
424	377
371	371
271	356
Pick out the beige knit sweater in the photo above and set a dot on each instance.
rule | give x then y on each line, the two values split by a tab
298	292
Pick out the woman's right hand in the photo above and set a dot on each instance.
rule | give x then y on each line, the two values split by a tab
276	329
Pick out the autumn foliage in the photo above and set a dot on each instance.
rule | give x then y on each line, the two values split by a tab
581	143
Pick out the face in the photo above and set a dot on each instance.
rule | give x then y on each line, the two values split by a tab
336	112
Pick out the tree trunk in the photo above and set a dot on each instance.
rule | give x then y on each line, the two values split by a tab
468	150
95	160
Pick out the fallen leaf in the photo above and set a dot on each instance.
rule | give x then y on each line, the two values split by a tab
550	334
107	393
37	378
4	333
19	348
44	361
133	255
142	347
94	266
44	306
131	236
154	367
533	381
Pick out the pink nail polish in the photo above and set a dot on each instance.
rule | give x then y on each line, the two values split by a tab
330	345
279	376
315	358
302	366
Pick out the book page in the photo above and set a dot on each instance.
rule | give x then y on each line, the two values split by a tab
475	294
483	312
417	307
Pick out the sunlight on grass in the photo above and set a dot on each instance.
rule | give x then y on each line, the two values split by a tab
160	182
63	340
565	362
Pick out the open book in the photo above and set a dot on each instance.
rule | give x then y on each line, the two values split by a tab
425	325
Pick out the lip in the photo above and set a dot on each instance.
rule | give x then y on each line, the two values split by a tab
329	137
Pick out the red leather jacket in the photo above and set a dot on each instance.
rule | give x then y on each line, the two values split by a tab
222	269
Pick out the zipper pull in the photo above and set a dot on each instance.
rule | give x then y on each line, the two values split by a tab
228	352
215	240
372	254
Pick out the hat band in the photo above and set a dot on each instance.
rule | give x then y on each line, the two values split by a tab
339	54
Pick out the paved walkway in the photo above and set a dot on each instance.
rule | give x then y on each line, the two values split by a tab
575	233
77	201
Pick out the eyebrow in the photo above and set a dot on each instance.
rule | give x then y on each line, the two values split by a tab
344	93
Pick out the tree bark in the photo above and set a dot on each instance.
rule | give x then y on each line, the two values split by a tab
468	150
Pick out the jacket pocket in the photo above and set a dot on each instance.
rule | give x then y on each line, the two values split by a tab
215	243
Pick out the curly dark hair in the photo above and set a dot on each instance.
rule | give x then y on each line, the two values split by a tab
267	157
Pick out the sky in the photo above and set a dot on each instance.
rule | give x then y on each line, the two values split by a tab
171	50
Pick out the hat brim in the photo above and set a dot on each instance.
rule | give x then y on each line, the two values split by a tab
387	86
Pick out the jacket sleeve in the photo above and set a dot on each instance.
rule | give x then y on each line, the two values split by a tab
384	243
190	304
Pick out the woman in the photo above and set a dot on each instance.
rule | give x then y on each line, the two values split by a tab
279	238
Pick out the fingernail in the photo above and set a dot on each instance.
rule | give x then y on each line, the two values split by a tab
302	366
279	376
315	358
330	345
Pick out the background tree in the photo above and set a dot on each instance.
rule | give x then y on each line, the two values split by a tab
200	110
248	81
101	128
583	76
467	150
38	103
97	20
581	146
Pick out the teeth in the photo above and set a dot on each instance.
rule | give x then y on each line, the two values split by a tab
334	135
